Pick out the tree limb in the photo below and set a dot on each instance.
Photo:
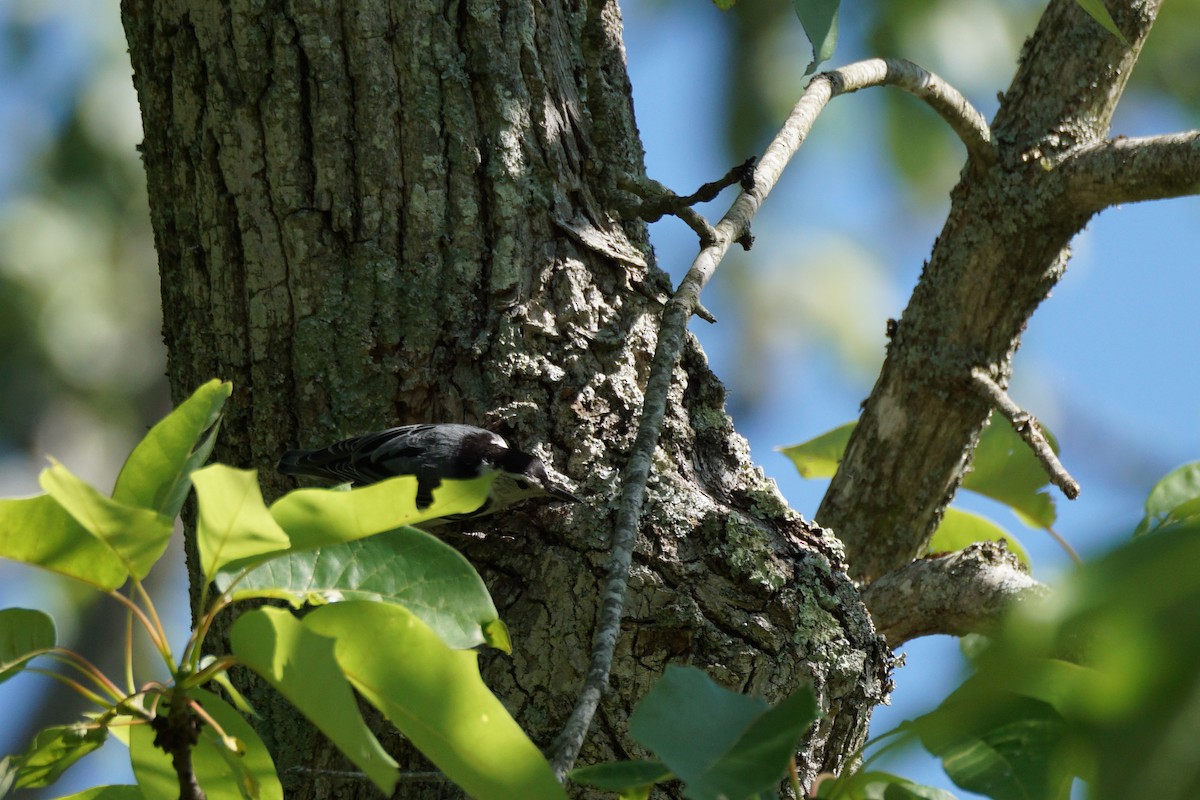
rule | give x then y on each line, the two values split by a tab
1003	247
1124	170
957	593
963	118
732	228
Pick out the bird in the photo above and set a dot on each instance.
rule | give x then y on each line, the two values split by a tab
431	452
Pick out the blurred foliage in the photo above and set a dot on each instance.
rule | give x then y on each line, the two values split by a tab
81	358
1099	681
79	317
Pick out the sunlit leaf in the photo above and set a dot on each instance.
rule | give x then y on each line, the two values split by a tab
877	786
1172	499
156	474
405	567
137	536
234	522
38	531
960	529
52	752
300	664
222	773
319	517
435	696
819	457
108	793
24	633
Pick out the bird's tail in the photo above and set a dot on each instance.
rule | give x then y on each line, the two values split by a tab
300	462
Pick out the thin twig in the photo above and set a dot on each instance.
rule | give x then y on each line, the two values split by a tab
1027	427
733	228
655	200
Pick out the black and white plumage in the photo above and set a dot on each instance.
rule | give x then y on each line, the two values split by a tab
431	453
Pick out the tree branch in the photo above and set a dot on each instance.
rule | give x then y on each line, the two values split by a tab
957	593
732	228
963	118
1126	170
1028	428
1002	249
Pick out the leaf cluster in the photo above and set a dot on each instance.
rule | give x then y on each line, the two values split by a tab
399	615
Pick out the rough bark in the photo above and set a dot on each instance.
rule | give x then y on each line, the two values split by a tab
1005	244
369	214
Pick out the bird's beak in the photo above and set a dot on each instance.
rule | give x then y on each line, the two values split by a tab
561	494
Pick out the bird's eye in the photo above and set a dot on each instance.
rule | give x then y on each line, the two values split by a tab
523	485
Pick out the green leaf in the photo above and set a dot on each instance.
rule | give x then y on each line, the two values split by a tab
247	772
920	146
1173	499
109	793
319	517
724	5
40	532
959	529
406	567
221	678
156	474
137	536
622	776
819	457
234	522
1017	755
689	721
1136	609
1122	717
878	786
1096	10
300	664
52	752
759	759
734	746
437	699
1005	469
24	634
819	19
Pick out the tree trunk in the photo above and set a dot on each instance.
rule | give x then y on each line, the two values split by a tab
370	214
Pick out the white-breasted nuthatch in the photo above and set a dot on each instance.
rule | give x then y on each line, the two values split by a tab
431	453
